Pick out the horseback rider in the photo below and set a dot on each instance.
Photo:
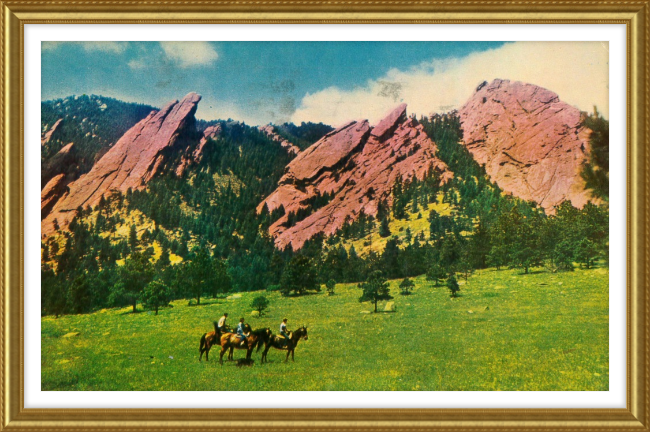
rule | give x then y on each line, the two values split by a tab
221	325
241	332
285	332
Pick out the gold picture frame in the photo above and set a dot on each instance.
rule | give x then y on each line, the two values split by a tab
635	15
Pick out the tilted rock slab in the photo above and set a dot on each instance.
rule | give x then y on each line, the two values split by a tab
531	143
58	164
138	156
47	136
269	130
51	193
359	165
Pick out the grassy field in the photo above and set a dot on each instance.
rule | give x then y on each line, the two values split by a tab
508	331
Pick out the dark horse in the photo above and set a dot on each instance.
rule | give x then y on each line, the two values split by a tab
209	339
232	341
280	343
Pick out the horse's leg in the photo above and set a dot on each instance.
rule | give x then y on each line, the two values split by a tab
287	357
293	350
223	350
207	351
230	357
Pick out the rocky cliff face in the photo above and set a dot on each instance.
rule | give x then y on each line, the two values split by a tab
62	162
355	166
140	154
269	131
47	136
531	143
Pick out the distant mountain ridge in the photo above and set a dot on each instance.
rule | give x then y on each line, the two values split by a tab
530	143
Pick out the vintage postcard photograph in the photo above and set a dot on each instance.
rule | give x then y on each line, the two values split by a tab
314	216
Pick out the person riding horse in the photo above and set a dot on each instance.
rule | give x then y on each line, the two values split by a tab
221	325
241	331
285	332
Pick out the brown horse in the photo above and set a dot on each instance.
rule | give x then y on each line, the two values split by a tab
230	341
209	339
280	343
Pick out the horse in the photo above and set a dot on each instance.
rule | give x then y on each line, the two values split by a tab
232	341
278	342
209	339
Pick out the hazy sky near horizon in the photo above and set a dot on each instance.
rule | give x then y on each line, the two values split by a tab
332	82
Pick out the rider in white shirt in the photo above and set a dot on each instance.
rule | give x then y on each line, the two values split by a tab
284	331
222	323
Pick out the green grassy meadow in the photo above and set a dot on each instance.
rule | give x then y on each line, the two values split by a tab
507	331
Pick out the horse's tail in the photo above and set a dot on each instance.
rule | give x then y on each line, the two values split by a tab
259	344
202	343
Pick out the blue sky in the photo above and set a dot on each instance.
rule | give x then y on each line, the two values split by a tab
262	82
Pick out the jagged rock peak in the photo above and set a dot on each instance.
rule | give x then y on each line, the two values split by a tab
356	167
389	123
531	143
136	157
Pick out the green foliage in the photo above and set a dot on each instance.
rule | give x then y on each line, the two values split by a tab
299	277
375	288
92	123
384	229
452	286
155	295
595	171
134	276
260	303
436	274
304	135
330	284
406	286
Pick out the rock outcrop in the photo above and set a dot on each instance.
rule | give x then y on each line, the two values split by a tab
47	136
355	166
531	143
269	131
62	162
51	193
143	151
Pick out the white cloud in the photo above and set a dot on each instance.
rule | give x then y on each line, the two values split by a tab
188	54
577	71
137	64
108	47
49	46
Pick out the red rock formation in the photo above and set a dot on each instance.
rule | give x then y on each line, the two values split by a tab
531	143
59	163
209	133
138	156
45	138
51	193
269	131
358	165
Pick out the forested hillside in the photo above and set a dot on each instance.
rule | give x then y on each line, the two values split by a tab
199	233
92	123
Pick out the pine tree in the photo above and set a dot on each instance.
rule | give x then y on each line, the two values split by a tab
406	286
260	303
384	229
133	238
155	295
452	286
375	288
299	276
